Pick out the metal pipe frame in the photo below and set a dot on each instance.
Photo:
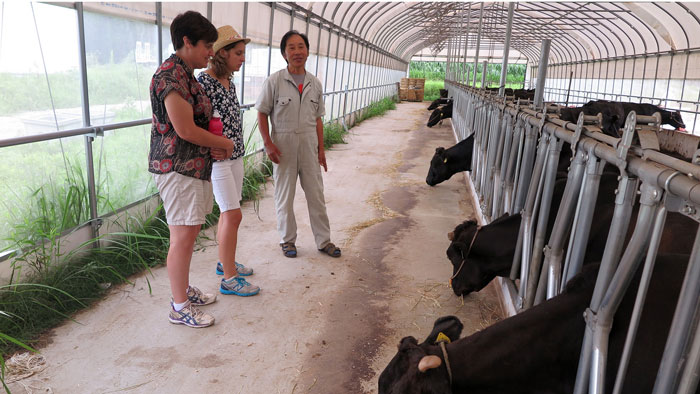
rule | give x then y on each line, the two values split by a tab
583	219
506	46
245	31
526	167
624	201
507	142
641	296
638	245
478	41
543	214
542	73
523	247
85	104
679	337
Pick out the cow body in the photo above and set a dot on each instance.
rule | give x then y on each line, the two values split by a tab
447	162
492	251
537	351
615	114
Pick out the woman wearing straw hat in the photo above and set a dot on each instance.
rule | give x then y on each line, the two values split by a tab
227	174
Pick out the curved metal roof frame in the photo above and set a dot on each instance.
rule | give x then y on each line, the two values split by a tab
580	31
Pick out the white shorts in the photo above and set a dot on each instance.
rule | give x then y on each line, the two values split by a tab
227	180
186	200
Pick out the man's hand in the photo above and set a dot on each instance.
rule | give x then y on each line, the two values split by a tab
273	152
322	158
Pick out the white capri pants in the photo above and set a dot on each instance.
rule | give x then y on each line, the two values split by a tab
227	180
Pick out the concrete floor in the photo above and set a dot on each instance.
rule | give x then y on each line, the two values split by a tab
319	325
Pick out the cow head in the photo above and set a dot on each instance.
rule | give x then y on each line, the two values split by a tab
418	368
434	105
435	117
438	171
611	124
470	276
677	120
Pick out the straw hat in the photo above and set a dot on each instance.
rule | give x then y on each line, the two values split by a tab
227	35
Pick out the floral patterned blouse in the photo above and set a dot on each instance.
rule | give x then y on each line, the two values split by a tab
226	102
168	151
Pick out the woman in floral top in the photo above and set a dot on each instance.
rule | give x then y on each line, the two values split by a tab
227	175
181	157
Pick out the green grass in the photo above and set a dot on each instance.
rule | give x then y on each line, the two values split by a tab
432	90
377	108
46	298
333	133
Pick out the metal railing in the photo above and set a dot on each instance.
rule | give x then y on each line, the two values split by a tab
514	165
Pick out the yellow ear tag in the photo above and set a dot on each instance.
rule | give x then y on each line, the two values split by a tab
442	338
445	161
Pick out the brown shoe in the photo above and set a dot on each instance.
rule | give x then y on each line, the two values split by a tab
289	249
331	250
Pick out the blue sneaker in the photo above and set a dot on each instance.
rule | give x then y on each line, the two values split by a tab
242	269
238	286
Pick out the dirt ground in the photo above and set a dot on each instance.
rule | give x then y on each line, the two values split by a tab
319	325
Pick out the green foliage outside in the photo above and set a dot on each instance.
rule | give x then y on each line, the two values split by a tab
435	71
432	89
116	83
427	70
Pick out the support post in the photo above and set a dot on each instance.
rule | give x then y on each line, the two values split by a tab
85	101
506	48
542	72
478	43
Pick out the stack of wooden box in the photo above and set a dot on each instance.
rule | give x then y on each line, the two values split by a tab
411	89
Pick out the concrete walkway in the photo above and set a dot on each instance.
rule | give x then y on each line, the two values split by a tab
319	325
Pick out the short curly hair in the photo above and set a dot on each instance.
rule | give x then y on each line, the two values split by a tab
194	26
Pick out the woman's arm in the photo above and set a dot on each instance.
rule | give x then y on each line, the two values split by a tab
182	118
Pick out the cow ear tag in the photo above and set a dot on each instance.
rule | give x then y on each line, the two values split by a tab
442	338
445	161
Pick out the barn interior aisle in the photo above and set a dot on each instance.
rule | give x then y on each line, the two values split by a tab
319	325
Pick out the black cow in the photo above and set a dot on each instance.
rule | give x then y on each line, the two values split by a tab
615	114
439	102
570	114
447	162
443	93
537	351
672	118
525	94
492	251
439	114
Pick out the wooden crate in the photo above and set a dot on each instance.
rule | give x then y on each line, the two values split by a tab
419	94
403	94
411	95
416	83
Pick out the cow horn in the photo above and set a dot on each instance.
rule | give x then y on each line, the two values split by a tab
429	362
451	235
